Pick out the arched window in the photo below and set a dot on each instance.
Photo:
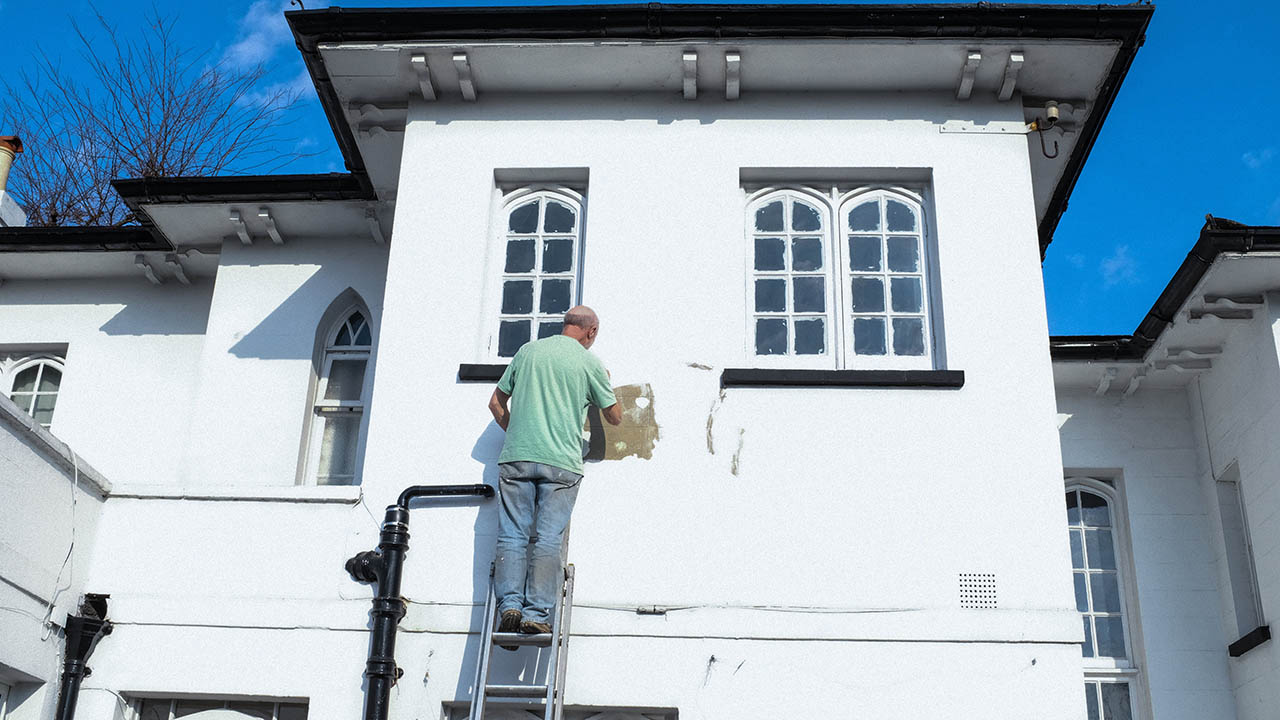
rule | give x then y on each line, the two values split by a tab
1102	592
791	276
541	266
33	387
886	277
336	432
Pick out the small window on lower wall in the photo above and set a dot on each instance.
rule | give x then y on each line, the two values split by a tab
198	708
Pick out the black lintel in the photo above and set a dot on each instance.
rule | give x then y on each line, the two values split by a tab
1251	640
477	372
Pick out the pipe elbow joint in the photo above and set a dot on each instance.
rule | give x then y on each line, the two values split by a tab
366	566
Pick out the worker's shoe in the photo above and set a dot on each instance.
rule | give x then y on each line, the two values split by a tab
510	623
533	627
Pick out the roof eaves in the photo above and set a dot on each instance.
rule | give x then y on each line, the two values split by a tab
240	188
82	239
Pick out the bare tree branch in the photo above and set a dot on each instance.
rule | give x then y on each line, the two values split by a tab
150	108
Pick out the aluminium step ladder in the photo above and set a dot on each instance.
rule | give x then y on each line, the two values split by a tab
550	694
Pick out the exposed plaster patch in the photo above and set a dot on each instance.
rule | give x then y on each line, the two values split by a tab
711	420
699	366
638	433
737	454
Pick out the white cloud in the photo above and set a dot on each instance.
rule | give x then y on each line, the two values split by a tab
299	84
1076	260
1119	267
1256	159
263	32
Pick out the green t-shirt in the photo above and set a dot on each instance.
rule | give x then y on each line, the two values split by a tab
551	381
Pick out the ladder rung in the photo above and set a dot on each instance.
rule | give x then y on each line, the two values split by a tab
516	691
521	639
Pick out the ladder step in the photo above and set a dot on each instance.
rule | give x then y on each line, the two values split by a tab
516	691
521	639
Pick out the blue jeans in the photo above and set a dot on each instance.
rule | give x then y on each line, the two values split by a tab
536	502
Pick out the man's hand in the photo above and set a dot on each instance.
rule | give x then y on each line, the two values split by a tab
498	406
612	414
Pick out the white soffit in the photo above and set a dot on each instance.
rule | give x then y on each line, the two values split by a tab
209	224
167	267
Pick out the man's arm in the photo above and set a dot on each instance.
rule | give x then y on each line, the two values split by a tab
502	414
612	414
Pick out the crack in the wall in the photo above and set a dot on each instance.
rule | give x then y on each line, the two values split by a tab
737	454
711	421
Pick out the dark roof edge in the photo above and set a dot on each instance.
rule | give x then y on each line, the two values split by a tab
132	238
1218	235
655	21
1089	133
240	188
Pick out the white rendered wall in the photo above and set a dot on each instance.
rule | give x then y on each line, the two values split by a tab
1146	443
133	350
49	516
852	511
1235	408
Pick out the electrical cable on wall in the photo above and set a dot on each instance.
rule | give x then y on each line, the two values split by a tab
57	581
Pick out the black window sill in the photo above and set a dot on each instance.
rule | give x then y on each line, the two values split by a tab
472	372
769	377
1251	640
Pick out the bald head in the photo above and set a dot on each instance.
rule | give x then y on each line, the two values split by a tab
582	324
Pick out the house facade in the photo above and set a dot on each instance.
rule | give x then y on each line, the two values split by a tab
839	486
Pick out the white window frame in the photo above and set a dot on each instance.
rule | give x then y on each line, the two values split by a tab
20	362
1107	669
833	203
321	407
510	201
135	705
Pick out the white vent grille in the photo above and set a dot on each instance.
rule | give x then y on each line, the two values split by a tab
978	591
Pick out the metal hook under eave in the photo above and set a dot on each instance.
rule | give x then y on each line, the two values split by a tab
1044	149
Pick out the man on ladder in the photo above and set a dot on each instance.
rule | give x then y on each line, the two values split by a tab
552	381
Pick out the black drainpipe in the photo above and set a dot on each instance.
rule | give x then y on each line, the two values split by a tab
384	567
83	632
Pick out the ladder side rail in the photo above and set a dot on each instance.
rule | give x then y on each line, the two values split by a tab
563	641
486	646
553	666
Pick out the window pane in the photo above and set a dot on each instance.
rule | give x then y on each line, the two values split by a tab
805	218
191	707
261	710
517	297
23	401
769	217
1073	508
511	335
524	219
1094	509
43	410
908	335
1115	701
363	337
806	254
338	449
904	254
864	253
1087	648
292	711
771	336
770	254
868	295
346	380
771	295
1082	598
1077	552
810	294
900	217
559	218
26	380
1110	636
343	337
153	709
557	255
555	296
520	256
811	336
865	217
50	378
1106	592
1091	700
906	294
547	329
1102	555
868	336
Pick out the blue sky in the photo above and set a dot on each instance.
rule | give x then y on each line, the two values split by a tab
1191	133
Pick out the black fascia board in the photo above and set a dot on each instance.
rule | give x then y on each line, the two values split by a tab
81	239
1218	236
240	188
1125	24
